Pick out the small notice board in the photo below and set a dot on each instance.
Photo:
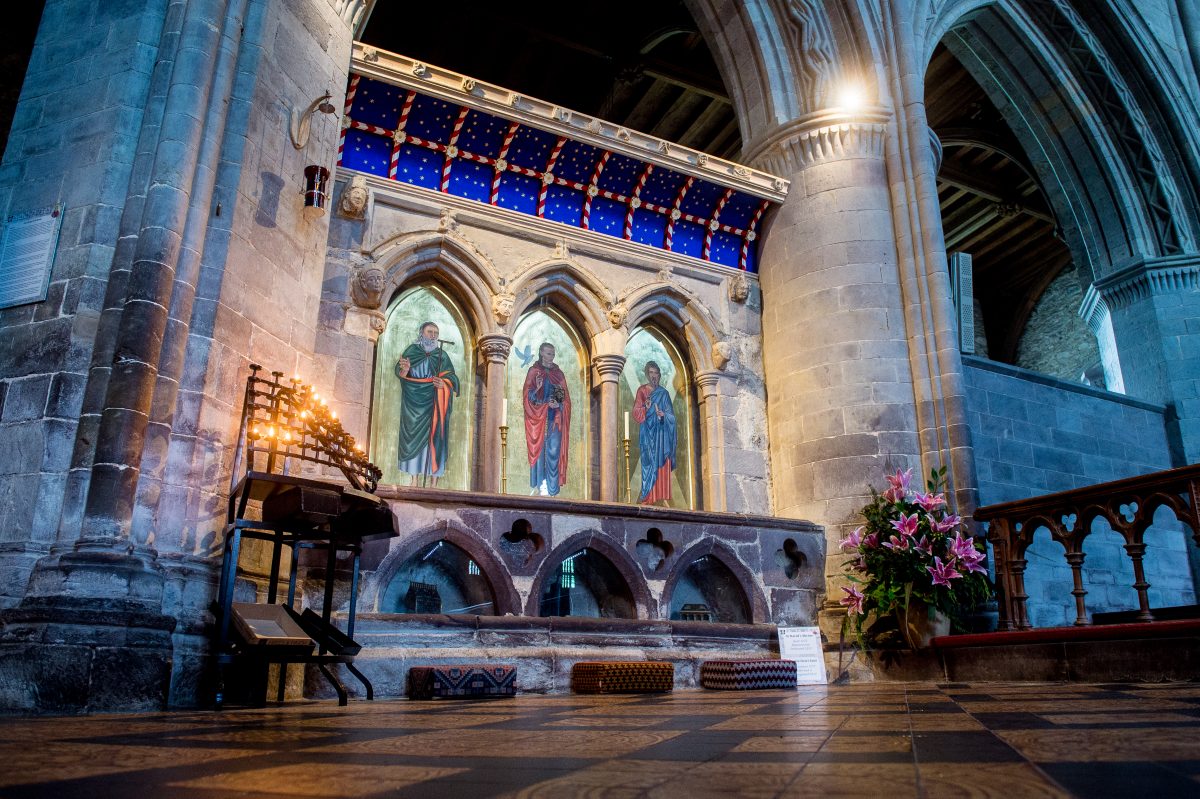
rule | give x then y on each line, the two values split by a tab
26	253
803	645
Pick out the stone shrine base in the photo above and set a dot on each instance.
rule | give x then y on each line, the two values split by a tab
542	649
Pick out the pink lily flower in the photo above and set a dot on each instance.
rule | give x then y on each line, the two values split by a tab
942	573
898	544
900	482
871	541
930	502
853	600
852	541
948	523
968	556
906	525
924	546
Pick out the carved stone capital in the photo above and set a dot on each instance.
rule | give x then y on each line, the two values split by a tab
709	383
1145	278
607	368
824	136
494	347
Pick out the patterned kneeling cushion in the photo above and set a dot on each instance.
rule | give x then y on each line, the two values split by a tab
620	677
470	681
746	675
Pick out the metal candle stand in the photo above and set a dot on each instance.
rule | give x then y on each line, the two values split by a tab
286	423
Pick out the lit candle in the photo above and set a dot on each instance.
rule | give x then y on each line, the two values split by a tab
504	413
627	424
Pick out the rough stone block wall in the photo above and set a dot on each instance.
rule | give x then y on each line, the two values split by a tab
1056	341
1036	435
73	141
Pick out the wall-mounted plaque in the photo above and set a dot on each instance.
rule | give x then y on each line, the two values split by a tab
26	254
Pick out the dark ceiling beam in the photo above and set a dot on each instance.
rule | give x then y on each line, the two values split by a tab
982	187
679	117
979	218
715	114
646	112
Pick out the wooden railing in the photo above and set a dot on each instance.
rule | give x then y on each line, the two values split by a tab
1127	505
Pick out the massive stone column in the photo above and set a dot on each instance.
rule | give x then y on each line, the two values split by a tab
606	373
840	397
493	349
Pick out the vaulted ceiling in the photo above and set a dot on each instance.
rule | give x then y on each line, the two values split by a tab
992	204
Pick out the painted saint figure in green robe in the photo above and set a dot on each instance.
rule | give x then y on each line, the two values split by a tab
428	388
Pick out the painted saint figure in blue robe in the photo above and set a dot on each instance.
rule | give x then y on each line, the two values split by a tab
657	437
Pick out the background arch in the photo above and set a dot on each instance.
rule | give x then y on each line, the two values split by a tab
622	560
722	552
507	598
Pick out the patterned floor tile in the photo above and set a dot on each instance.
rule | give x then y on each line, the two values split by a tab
892	740
302	780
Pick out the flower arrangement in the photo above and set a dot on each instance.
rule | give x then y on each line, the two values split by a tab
912	551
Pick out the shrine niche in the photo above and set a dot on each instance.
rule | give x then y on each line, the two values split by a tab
586	583
655	398
708	590
423	407
548	408
439	578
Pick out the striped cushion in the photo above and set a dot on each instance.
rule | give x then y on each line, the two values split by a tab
746	675
468	681
619	677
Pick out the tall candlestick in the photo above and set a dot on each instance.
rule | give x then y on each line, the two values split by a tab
628	485
626	424
503	459
504	413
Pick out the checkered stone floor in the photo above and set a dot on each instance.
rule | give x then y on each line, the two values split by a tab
893	740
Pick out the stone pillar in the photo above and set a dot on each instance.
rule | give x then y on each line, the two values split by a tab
606	373
493	350
712	441
1152	310
841	408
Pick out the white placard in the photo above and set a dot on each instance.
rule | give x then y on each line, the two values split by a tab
26	253
803	645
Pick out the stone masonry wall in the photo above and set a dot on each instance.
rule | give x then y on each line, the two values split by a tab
1055	340
1036	435
73	141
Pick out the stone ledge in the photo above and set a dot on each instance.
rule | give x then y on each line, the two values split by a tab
440	496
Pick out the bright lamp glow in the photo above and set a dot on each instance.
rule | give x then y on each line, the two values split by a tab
851	97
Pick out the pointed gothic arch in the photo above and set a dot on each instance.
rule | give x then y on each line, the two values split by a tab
572	289
453	262
490	562
711	547
621	560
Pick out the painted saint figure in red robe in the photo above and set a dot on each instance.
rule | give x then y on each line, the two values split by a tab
547	423
657	437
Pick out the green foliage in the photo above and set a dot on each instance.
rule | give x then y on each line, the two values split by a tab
911	550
